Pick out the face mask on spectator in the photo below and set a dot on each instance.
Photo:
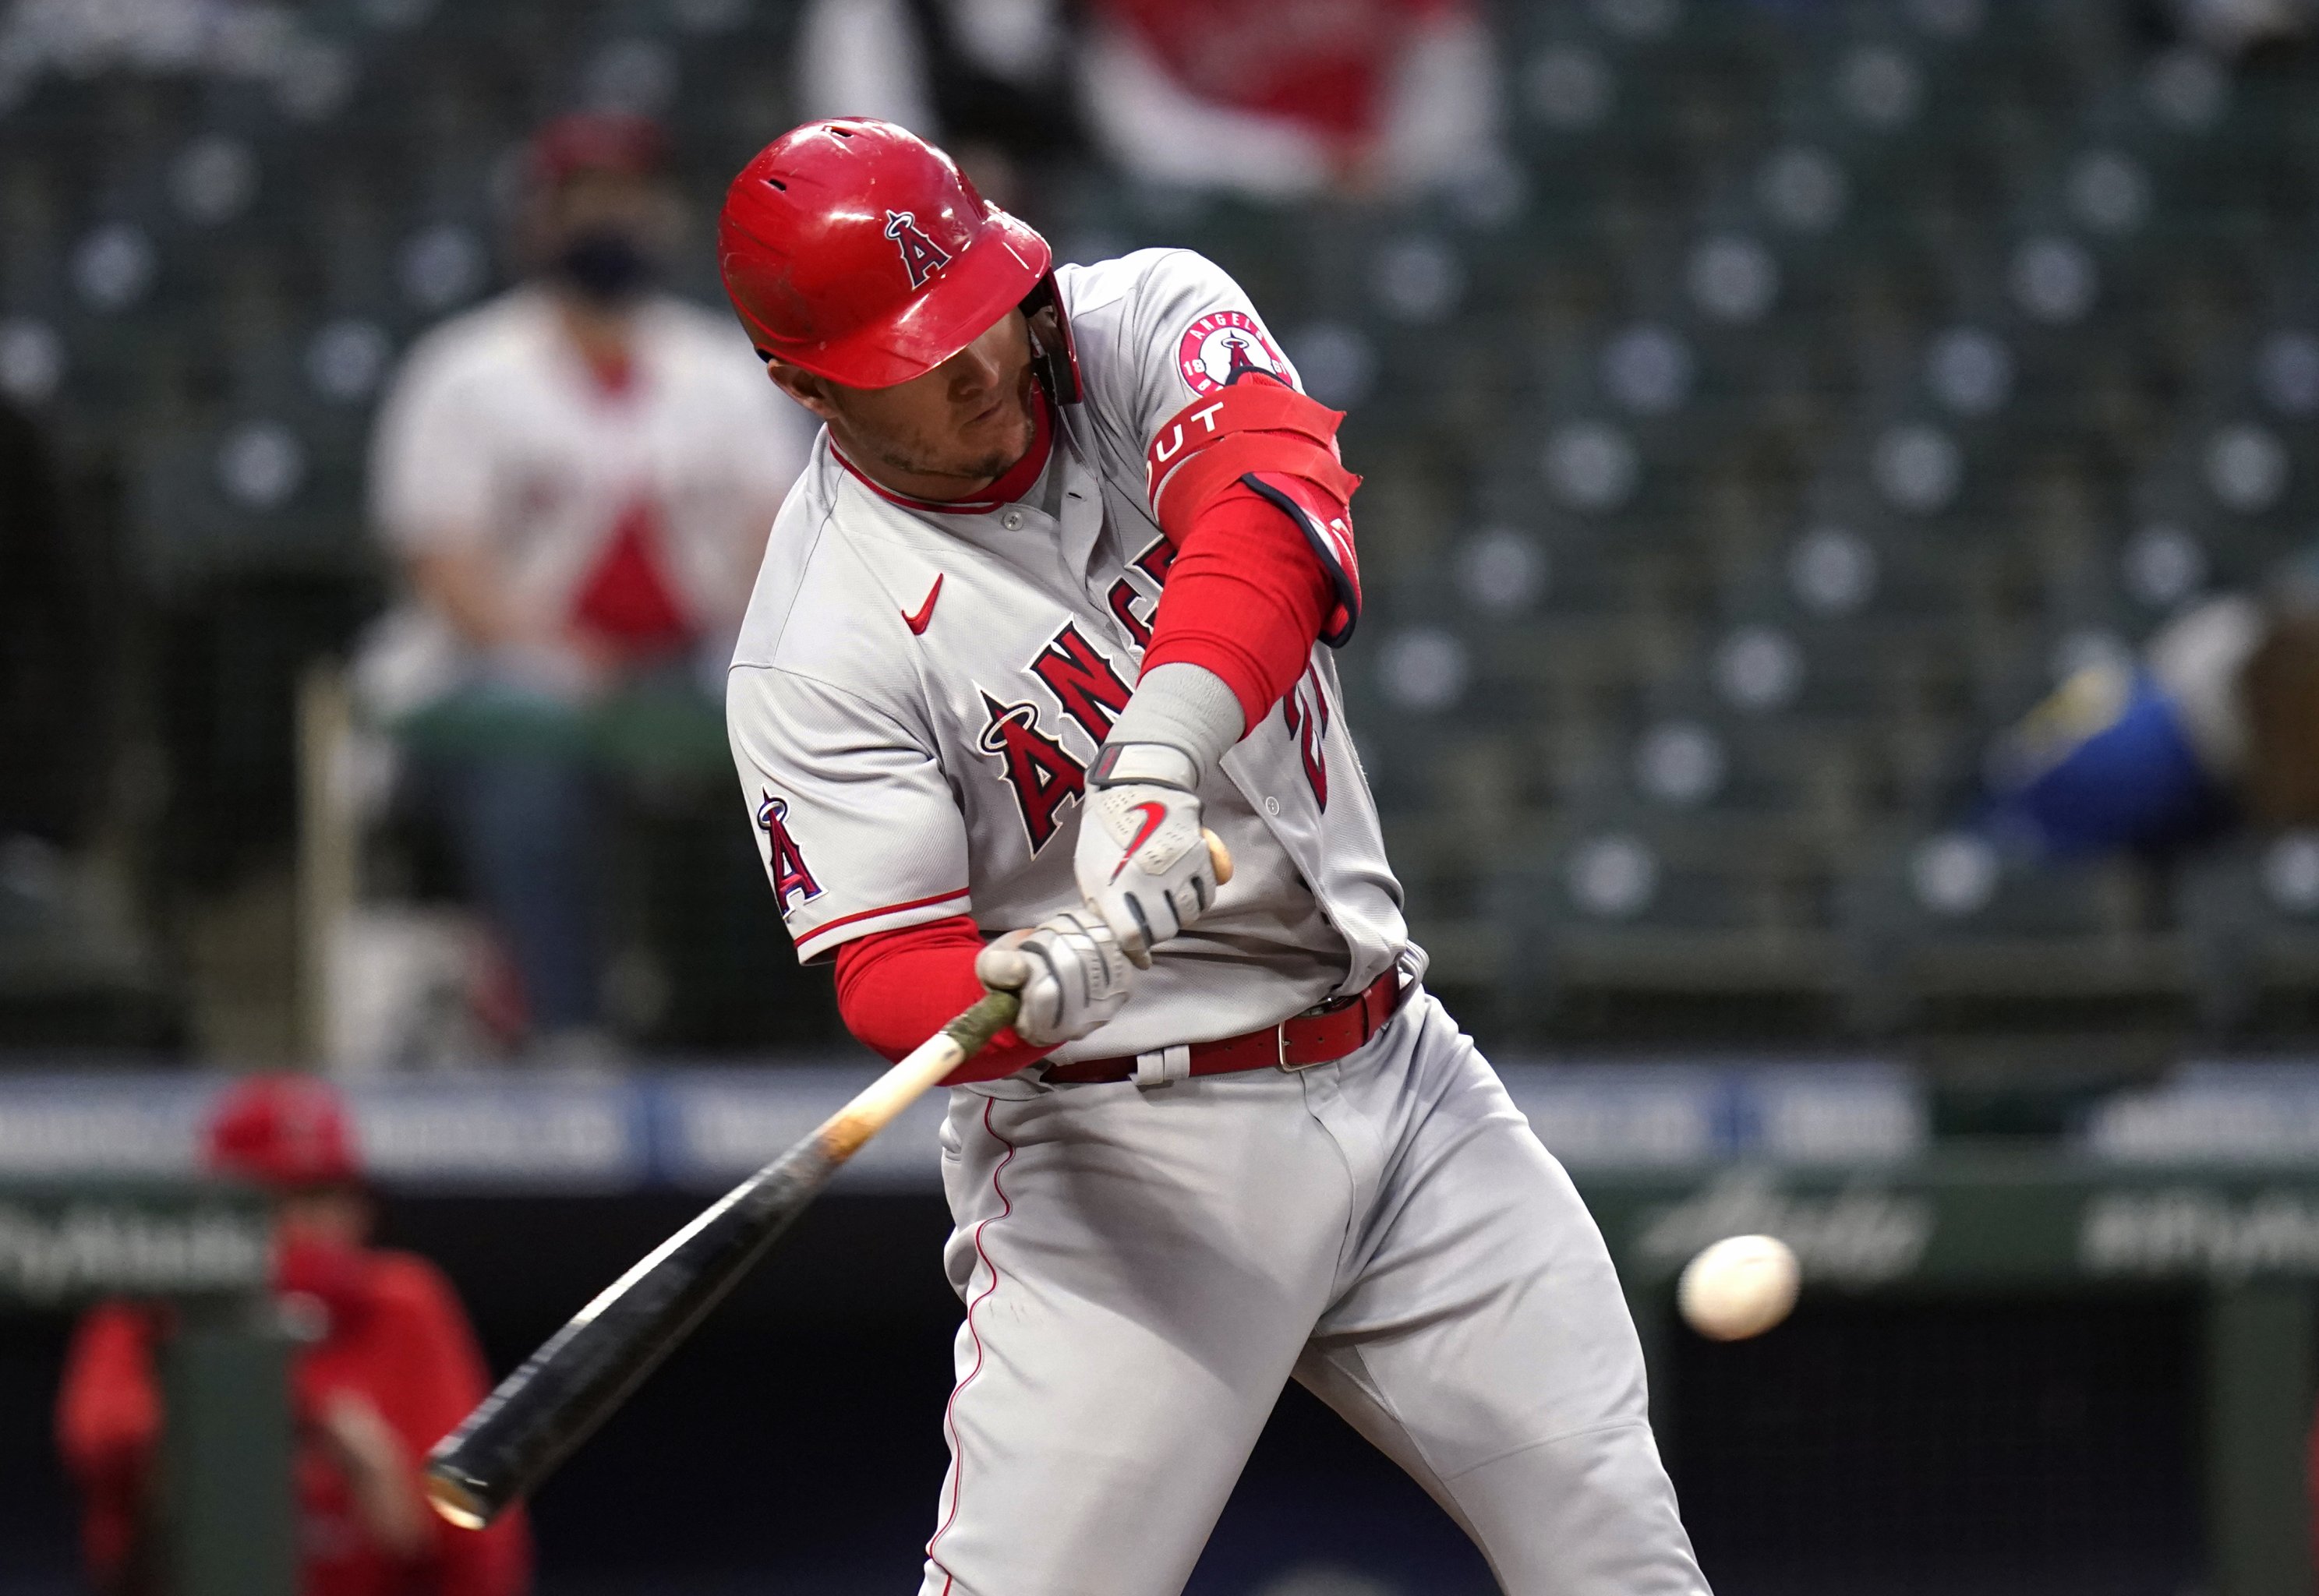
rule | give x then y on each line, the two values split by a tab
606	265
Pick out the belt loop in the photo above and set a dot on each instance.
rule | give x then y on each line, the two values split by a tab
1162	1067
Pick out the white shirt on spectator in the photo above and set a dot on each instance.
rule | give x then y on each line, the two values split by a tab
498	437
1436	120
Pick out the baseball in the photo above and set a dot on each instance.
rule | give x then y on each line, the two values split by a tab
1737	1287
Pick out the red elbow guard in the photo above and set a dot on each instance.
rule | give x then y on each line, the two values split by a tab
1281	445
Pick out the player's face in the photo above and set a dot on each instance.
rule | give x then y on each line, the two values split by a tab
945	434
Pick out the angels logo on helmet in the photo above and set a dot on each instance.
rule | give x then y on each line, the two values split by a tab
922	257
1222	343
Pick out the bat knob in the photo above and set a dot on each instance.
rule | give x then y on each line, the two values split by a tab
455	1503
1219	856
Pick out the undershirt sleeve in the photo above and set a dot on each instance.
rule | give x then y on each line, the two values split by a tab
895	988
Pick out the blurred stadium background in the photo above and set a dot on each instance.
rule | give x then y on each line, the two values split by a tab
1791	396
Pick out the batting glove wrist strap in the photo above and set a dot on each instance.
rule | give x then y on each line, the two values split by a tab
1157	763
1141	863
1068	970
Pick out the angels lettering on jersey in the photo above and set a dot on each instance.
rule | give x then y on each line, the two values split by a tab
1129	604
1044	773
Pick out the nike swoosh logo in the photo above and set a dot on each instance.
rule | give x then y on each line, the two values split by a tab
1155	815
917	623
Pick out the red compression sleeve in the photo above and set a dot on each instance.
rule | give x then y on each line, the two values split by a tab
894	989
1246	598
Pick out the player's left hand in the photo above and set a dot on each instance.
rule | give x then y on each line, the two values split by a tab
1143	863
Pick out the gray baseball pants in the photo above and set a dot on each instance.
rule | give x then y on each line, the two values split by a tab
1144	1270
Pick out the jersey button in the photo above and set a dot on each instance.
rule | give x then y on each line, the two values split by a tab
1272	806
1013	520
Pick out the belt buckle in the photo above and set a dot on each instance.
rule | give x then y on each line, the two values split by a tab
1280	1041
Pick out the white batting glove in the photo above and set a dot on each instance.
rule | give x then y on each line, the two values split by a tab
1142	863
1068	970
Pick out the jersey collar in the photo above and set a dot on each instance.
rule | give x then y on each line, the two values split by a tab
1017	480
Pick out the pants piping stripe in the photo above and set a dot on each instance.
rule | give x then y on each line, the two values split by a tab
950	1413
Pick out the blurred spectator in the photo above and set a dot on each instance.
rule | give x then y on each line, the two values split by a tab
388	1366
1370	98
1366	97
2217	725
990	79
577	478
2240	27
49	690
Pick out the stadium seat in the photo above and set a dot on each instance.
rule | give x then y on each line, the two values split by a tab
1948	934
2250	911
1648	928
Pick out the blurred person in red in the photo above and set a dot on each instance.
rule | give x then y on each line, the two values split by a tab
388	1366
577	479
1365	98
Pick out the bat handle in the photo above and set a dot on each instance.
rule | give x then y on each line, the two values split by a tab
886	1098
974	1027
1219	856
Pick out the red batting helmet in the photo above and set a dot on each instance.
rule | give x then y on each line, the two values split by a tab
857	251
280	1130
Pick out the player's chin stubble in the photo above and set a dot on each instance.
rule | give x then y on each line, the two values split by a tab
925	455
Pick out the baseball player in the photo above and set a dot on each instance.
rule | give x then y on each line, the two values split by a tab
1059	587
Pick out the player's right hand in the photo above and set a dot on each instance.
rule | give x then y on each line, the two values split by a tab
1068	970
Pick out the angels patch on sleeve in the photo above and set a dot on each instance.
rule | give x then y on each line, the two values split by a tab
1221	345
784	862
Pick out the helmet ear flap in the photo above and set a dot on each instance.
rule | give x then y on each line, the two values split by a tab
1054	359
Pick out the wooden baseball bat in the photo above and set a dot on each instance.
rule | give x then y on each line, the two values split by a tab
536	1416
546	1409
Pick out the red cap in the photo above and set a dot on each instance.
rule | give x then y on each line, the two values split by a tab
859	251
281	1130
595	141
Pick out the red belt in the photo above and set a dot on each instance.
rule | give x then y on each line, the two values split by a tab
1320	1035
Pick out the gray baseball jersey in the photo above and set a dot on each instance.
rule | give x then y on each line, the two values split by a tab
916	696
